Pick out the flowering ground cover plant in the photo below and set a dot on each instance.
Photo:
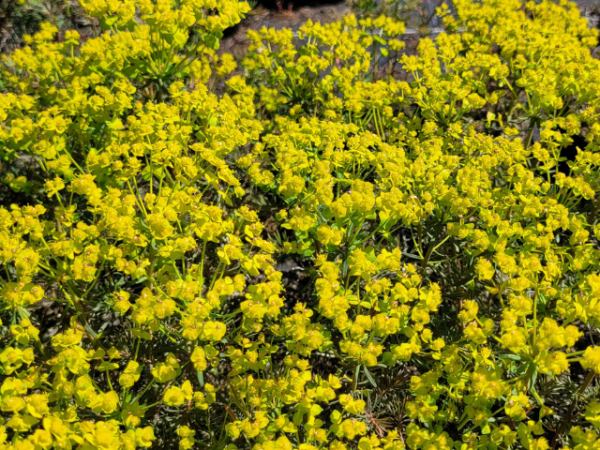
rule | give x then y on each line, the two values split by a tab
301	250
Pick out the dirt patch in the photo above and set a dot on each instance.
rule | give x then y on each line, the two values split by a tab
287	15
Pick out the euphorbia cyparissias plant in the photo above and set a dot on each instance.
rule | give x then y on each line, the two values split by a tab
329	244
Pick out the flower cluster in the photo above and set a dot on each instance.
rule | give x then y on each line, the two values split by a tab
329	244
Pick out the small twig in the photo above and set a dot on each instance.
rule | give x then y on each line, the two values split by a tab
400	421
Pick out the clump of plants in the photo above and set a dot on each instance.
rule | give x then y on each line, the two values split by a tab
321	257
19	18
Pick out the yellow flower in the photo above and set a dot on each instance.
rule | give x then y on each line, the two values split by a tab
174	396
591	359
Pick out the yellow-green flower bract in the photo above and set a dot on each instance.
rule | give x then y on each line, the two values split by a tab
445	250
